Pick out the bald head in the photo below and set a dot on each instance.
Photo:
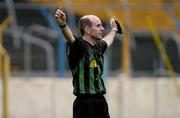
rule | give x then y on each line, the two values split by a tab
87	20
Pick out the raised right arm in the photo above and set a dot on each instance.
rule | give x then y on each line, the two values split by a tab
60	17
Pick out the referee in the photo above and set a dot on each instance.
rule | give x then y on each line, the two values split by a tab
85	56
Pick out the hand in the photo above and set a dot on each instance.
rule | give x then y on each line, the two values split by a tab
115	25
60	16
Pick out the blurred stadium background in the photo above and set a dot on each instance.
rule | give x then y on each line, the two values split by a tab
142	69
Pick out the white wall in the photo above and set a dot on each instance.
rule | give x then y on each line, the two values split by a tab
127	98
143	98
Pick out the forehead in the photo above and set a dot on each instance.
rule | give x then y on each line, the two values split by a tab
95	20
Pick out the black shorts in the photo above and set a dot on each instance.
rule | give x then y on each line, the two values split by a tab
90	107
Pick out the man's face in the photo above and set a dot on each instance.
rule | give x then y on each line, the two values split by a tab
96	31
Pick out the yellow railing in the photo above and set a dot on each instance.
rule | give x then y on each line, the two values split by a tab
163	53
4	71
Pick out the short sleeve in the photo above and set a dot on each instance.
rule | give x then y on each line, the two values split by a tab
101	46
74	52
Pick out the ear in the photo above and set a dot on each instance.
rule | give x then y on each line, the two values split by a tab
87	29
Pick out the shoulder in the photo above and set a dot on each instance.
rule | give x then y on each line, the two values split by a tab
78	44
101	43
101	46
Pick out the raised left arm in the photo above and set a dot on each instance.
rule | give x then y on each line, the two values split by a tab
109	38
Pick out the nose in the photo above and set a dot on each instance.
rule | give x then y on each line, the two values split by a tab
102	28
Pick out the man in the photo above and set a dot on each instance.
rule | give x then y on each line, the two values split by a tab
85	56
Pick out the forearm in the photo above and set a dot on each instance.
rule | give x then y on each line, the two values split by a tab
109	38
60	17
68	34
115	28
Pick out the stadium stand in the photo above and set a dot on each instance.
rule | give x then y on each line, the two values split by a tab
133	13
25	18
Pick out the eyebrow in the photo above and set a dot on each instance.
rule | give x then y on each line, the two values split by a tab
99	24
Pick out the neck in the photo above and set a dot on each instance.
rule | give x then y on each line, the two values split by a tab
89	39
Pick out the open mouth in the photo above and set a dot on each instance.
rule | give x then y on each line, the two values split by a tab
100	34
